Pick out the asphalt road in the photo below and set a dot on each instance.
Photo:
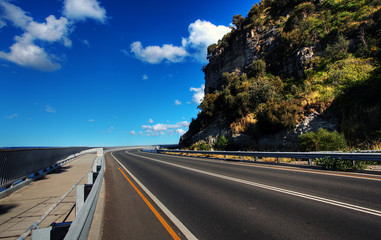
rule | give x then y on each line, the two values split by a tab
214	199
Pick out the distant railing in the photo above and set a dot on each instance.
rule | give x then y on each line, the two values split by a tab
363	156
16	164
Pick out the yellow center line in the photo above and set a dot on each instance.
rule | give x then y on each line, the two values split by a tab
161	219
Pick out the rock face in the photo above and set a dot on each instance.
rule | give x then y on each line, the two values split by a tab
281	141
253	45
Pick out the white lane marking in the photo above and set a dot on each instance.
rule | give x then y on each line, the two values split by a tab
165	210
279	168
276	189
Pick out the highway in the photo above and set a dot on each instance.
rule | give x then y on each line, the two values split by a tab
155	196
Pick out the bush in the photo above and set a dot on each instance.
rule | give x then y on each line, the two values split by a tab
278	115
222	143
339	164
257	69
202	146
322	140
339	50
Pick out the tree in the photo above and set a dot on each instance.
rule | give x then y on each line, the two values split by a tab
238	21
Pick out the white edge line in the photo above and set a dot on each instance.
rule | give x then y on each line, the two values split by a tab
276	189
166	211
286	168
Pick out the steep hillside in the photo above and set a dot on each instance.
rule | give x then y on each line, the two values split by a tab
294	66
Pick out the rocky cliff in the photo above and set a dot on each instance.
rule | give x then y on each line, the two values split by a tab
305	56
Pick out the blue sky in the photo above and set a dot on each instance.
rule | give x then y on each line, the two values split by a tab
104	73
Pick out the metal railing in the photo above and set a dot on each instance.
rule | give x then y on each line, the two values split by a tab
16	164
80	227
297	155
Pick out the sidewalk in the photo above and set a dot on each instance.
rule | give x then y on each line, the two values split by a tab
25	206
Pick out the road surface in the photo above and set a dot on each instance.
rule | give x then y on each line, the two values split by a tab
212	199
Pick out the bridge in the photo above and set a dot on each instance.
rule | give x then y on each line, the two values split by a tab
147	195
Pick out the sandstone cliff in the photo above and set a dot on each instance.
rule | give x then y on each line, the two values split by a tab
308	61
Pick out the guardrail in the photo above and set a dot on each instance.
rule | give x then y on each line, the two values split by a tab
18	164
296	155
86	201
80	227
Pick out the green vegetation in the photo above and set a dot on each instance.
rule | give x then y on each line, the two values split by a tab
322	140
202	146
339	164
221	144
343	76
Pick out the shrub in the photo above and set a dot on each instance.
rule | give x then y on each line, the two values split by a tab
339	50
257	69
222	143
278	115
202	145
339	164
322	140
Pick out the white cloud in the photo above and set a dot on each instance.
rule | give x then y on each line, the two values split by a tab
150	120
198	94
163	129
14	14
180	131
177	102
12	116
25	53
133	133
50	109
156	54
144	77
51	31
80	10
201	35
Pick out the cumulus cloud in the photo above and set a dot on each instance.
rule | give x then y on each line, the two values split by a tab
14	14
163	129
156	54
177	102
150	120
198	94
25	53
80	10
51	31
201	35
133	133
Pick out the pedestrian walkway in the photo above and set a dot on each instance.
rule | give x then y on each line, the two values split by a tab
25	206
